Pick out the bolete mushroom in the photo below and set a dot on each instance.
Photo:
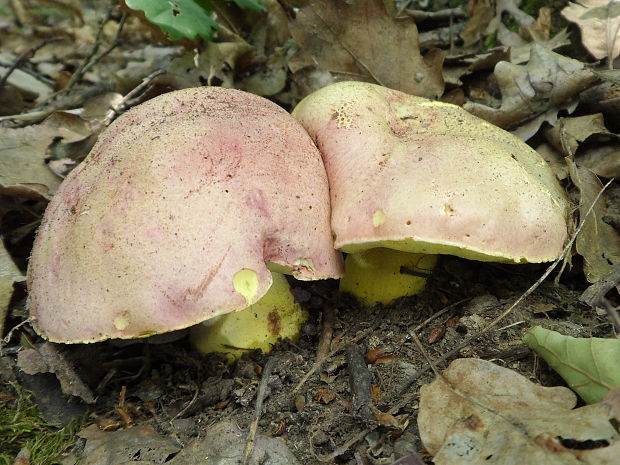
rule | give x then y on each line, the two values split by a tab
425	177
177	216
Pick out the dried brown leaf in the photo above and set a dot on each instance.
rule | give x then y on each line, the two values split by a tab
324	396
555	159
599	23
588	140
215	65
548	83
364	43
598	243
477	411
571	132
48	359
603	159
141	444
9	275
23	151
478	22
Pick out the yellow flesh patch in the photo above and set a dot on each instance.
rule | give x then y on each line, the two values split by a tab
245	282
378	218
122	321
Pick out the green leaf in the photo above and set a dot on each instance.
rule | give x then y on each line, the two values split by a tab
178	18
590	366
256	5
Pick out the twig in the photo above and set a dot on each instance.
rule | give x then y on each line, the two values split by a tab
424	353
8	337
92	58
360	381
80	71
448	14
121	106
258	409
121	410
89	64
24	57
436	315
327	332
71	100
317	365
189	404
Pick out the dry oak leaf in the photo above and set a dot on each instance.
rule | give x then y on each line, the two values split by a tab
479	413
599	22
362	42
598	243
535	92
590	143
23	154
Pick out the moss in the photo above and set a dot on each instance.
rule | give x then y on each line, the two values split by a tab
490	41
22	426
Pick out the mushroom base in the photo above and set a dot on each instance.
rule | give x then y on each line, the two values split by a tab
275	316
382	275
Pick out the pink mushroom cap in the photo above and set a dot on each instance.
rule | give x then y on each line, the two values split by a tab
175	216
421	176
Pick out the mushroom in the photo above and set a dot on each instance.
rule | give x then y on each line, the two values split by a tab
425	177
177	216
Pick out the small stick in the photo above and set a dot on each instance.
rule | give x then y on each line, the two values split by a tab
189	404
360	381
89	64
78	73
93	58
120	409
258	409
317	365
327	332
115	110
24	57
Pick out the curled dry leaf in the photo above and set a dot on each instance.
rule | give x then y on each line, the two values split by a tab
535	92
588	140
570	132
480	413
363	42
